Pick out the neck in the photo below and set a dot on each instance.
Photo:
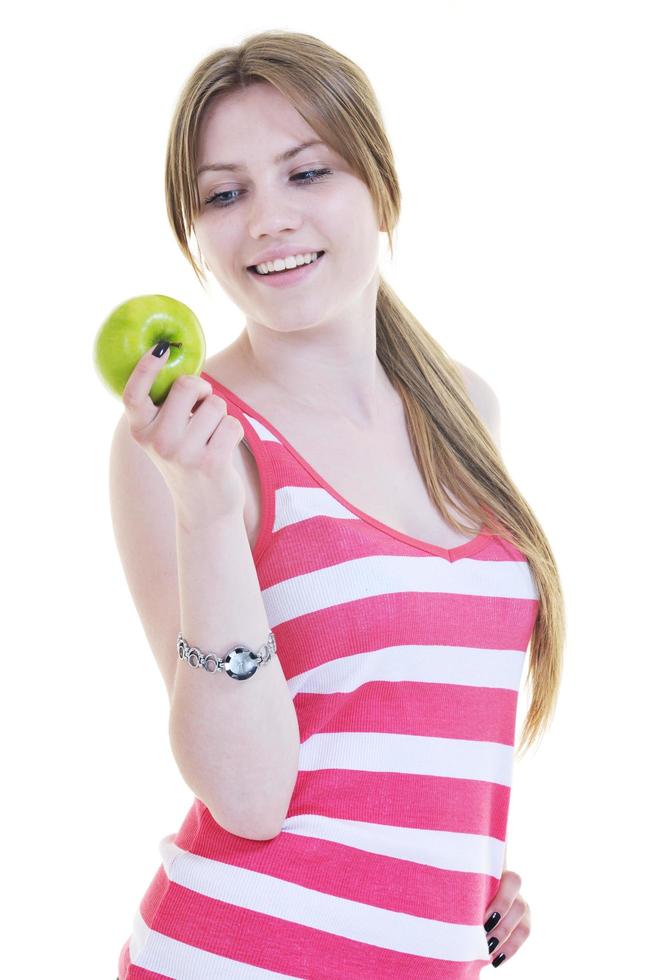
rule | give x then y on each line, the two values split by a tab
325	371
357	391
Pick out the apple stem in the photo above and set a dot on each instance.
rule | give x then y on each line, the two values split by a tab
173	343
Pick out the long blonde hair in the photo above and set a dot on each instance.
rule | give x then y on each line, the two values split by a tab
451	444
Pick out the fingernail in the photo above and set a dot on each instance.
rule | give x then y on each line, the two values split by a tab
161	348
498	959
492	943
492	921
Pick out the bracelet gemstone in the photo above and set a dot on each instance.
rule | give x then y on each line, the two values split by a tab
240	662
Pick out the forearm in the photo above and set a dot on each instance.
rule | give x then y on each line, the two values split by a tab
236	742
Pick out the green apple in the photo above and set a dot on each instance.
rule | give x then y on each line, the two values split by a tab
134	327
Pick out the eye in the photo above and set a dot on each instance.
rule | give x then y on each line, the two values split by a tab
305	177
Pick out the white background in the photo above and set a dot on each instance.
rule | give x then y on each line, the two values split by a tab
522	137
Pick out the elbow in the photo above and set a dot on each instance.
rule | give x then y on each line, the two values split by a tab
250	800
249	831
262	816
263	835
260	819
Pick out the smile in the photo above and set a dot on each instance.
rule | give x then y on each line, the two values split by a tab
286	277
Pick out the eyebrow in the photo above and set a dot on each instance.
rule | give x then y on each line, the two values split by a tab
280	158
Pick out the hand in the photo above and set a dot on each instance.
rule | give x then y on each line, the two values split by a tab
191	439
514	924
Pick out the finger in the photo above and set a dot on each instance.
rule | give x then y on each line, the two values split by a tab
508	889
499	919
204	424
172	419
509	936
226	437
139	407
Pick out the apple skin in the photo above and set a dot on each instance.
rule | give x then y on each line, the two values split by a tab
134	327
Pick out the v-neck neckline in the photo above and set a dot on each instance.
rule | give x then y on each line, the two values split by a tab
452	554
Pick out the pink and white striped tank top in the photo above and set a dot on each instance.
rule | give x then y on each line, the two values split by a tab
404	661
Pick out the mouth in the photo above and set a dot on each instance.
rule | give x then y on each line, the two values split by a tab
283	272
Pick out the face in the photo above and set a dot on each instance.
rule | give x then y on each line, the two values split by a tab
266	204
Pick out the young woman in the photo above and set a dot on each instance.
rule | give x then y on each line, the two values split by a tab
323	520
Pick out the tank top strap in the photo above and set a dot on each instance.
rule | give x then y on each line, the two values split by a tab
256	435
280	473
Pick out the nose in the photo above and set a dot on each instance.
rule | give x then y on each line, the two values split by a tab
271	214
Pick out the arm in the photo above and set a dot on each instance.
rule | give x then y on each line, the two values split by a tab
236	743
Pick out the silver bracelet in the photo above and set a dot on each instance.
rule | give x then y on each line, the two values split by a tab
240	662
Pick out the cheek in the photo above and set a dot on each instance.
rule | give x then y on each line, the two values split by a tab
354	211
218	248
203	239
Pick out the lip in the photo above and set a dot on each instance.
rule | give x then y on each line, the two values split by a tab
288	278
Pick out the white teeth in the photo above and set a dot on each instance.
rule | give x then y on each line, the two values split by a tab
290	262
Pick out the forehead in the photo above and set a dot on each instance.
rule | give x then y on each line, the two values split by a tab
258	122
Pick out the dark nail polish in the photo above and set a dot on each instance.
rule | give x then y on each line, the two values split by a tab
161	348
491	921
493	943
498	959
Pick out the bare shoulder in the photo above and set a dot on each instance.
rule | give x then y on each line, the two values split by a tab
484	398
